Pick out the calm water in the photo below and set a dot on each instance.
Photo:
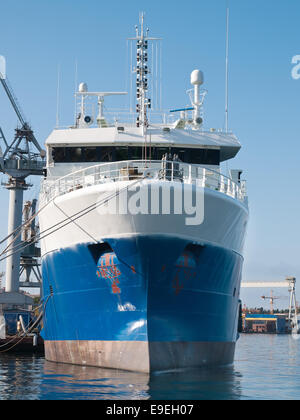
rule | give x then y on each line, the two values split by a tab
266	367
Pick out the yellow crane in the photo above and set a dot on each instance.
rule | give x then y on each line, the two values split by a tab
272	298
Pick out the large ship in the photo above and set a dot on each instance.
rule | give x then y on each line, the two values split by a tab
142	236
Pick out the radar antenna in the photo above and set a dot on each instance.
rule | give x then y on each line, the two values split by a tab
83	120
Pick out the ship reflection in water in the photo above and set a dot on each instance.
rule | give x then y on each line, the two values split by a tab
91	383
33	378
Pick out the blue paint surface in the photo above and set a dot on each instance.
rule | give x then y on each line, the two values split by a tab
142	288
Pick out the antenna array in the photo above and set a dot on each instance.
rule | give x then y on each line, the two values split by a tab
147	68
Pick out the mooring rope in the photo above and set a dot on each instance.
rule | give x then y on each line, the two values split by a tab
68	220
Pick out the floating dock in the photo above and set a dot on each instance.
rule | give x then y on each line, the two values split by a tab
30	344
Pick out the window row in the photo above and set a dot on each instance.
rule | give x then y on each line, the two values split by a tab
119	153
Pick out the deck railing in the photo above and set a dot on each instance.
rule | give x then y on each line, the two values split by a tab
172	171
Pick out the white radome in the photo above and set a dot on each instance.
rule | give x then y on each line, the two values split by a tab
197	77
83	88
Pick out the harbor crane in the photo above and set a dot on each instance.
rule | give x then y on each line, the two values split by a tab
21	158
272	298
289	282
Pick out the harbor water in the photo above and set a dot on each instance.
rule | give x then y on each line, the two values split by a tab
267	367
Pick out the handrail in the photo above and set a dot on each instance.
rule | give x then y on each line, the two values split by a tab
125	162
174	171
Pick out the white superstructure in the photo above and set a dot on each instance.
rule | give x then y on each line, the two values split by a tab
86	162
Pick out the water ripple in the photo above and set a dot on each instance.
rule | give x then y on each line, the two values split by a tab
266	367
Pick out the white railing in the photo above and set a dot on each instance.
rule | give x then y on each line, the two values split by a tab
133	170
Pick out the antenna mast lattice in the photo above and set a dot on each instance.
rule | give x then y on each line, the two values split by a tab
142	74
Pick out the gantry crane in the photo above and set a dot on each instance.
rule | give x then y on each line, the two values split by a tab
20	159
293	309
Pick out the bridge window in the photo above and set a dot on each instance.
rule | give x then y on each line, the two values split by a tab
59	154
91	154
135	153
107	154
205	156
119	153
76	154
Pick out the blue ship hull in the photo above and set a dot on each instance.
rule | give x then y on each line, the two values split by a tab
141	303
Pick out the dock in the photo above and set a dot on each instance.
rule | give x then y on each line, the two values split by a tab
28	344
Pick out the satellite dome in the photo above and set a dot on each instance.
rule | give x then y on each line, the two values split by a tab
197	77
83	88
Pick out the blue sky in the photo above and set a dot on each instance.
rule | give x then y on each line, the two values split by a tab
37	36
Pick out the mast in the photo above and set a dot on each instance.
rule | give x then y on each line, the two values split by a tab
143	72
227	70
143	102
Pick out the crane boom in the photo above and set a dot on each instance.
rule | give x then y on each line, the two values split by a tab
13	101
28	133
